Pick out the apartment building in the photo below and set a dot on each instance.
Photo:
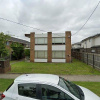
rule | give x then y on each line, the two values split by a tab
50	47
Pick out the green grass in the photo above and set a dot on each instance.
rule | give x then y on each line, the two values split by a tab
93	86
75	68
14	61
4	83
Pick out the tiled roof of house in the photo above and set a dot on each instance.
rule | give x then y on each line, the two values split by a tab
19	40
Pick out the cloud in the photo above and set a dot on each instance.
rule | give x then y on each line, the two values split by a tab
50	15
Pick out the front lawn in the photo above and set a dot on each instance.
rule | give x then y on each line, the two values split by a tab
75	68
93	86
4	83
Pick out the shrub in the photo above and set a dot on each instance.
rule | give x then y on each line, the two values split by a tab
18	51
27	52
3	50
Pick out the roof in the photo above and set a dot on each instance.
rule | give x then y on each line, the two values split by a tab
78	43
46	35
48	78
19	40
92	37
96	46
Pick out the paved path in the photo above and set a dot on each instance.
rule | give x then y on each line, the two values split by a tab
90	78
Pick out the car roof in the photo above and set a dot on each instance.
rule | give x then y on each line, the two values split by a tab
47	78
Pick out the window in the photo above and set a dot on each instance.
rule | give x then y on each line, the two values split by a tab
58	40
40	41
72	88
40	54
28	90
53	93
58	54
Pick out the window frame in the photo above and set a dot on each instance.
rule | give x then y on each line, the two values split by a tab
37	90
45	40
61	89
59	43
44	51
55	51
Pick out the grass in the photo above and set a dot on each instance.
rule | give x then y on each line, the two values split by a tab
14	61
93	86
4	83
75	68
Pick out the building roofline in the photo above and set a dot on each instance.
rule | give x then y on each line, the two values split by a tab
77	43
18	40
91	37
27	35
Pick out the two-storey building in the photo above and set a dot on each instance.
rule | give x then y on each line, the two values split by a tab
50	47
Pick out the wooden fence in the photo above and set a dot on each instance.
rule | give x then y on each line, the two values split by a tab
88	58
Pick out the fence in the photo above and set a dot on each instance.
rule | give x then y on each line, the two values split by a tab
88	58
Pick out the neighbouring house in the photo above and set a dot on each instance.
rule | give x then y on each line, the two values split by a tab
89	45
76	45
50	47
25	43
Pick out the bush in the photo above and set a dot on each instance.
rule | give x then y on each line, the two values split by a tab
27	52
3	50
18	51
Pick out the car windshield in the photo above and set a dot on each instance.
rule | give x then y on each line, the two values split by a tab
70	87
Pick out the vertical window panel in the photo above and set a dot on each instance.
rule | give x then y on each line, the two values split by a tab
40	40
40	54
58	54
58	40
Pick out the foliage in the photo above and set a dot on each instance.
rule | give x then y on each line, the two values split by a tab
18	50
27	52
75	68
3	50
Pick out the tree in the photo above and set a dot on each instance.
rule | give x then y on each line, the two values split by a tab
18	50
3	50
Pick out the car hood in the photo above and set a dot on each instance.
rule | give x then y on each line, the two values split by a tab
89	95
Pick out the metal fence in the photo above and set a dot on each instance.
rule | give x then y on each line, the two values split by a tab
88	58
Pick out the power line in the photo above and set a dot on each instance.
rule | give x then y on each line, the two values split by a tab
22	24
87	19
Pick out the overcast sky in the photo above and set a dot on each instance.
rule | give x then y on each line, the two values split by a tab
57	16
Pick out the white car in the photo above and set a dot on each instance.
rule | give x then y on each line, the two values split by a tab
46	87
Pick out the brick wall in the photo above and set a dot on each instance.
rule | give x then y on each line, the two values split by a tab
5	66
49	47
32	44
68	46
